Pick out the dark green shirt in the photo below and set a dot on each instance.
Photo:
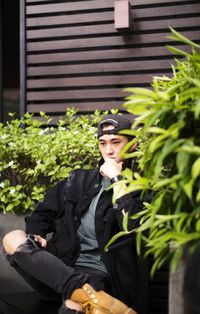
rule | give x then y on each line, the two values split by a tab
89	252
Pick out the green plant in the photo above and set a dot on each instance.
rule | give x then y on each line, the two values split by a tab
34	155
167	128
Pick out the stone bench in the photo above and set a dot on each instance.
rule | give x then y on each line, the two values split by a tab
16	296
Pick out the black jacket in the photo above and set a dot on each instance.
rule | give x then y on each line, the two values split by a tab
60	212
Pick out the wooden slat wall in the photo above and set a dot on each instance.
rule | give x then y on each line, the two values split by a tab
75	57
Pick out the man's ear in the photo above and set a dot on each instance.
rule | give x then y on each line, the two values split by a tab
133	147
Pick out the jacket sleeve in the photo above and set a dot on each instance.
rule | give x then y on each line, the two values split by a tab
42	220
131	203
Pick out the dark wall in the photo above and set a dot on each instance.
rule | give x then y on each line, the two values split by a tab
10	43
10	56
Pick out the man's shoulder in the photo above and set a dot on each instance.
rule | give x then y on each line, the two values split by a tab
80	175
76	177
84	172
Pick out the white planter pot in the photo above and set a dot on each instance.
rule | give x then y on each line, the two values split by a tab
176	287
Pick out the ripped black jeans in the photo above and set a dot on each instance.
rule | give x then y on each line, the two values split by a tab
51	278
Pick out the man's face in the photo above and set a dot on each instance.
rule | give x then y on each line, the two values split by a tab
111	145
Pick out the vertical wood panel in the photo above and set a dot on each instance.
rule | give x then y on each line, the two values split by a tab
1	84
23	65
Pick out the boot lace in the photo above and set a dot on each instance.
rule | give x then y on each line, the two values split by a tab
89	306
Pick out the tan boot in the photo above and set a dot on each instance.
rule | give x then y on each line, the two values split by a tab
99	302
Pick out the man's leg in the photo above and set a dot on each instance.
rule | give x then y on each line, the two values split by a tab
93	296
40	268
67	281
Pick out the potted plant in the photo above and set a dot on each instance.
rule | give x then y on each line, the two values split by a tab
167	128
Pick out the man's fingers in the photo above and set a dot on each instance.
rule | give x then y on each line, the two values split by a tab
121	164
101	171
42	241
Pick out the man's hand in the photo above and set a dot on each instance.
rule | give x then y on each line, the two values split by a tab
41	241
111	168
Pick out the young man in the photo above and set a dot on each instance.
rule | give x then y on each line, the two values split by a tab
79	212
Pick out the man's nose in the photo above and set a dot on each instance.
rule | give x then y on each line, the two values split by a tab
109	150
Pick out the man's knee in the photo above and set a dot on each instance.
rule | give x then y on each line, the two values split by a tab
13	240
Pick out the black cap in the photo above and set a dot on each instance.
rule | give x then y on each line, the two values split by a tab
119	122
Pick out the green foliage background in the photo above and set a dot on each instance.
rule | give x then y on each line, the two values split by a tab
167	128
34	155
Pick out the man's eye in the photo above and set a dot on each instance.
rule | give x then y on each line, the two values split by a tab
116	143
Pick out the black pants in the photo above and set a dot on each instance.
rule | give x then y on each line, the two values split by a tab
52	278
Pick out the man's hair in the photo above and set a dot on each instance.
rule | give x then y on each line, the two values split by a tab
119	123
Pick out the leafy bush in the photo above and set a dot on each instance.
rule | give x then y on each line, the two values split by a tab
167	129
34	155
